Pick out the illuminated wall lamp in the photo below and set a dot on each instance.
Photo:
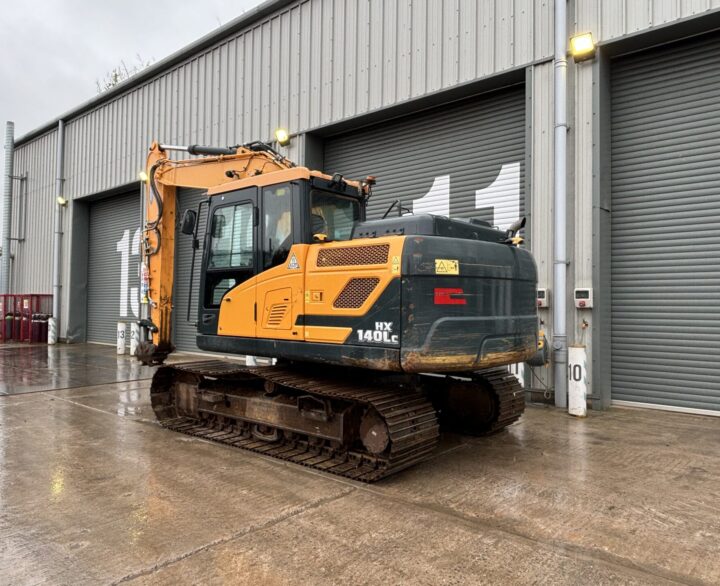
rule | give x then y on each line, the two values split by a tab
582	47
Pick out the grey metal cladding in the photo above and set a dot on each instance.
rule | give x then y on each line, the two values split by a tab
309	64
33	205
113	261
183	330
460	148
610	19
665	225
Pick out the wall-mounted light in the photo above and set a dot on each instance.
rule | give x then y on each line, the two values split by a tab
61	201
282	137
582	47
143	176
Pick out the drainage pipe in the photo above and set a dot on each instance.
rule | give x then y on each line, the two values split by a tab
57	247
560	210
7	207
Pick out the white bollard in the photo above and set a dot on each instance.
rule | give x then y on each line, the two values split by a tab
121	337
518	371
134	338
577	381
52	331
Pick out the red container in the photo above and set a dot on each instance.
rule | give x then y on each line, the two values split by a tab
18	321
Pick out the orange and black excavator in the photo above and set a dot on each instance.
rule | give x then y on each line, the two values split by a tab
382	330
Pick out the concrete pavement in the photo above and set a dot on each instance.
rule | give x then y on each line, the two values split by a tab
93	491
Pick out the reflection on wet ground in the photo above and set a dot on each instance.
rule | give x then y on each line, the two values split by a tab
93	491
26	368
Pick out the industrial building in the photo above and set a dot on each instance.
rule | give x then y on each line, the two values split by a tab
450	104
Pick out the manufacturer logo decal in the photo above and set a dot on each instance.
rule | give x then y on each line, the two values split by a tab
293	264
446	266
382	334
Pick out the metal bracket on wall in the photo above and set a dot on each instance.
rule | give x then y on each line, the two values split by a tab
22	212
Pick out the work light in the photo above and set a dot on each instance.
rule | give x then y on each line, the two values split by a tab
282	136
582	47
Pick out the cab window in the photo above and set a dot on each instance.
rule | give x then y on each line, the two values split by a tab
333	215
231	258
231	241
277	224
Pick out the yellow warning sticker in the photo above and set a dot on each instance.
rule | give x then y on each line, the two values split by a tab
395	265
446	266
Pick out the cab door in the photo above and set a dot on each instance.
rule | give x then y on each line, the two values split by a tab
230	265
280	283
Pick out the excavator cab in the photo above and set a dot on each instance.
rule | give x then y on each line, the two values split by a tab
253	229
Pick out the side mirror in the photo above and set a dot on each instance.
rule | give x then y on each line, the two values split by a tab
218	226
188	222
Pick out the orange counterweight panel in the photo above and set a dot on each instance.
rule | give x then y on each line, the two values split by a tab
346	279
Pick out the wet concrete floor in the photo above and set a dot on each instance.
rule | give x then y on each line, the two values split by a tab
92	491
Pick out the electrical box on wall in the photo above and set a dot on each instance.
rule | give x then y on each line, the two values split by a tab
584	298
543	298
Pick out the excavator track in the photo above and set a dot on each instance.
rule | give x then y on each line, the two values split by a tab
407	416
509	395
480	403
395	425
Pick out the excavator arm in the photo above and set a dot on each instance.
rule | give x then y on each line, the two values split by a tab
217	166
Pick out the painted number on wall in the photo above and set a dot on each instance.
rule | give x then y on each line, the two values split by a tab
127	248
500	200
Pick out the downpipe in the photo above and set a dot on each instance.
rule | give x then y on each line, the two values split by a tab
560	262
54	326
7	207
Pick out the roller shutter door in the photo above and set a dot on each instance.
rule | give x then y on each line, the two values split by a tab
666	226
184	330
113	259
463	159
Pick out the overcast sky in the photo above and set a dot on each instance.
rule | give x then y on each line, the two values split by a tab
54	51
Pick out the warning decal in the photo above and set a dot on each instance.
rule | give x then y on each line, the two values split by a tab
293	264
395	265
446	266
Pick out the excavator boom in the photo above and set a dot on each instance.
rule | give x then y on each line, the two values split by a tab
218	166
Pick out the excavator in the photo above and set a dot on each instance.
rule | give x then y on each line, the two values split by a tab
381	332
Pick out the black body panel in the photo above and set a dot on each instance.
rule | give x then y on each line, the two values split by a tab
428	225
483	316
376	358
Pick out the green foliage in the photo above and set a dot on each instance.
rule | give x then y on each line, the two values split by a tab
121	73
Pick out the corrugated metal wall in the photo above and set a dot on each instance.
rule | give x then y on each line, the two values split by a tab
609	19
540	197
666	226
462	160
33	207
314	63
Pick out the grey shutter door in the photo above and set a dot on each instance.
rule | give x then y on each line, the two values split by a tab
443	156
184	331
666	226
113	260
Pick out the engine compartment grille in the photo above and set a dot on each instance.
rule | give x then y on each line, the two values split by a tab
356	292
375	254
